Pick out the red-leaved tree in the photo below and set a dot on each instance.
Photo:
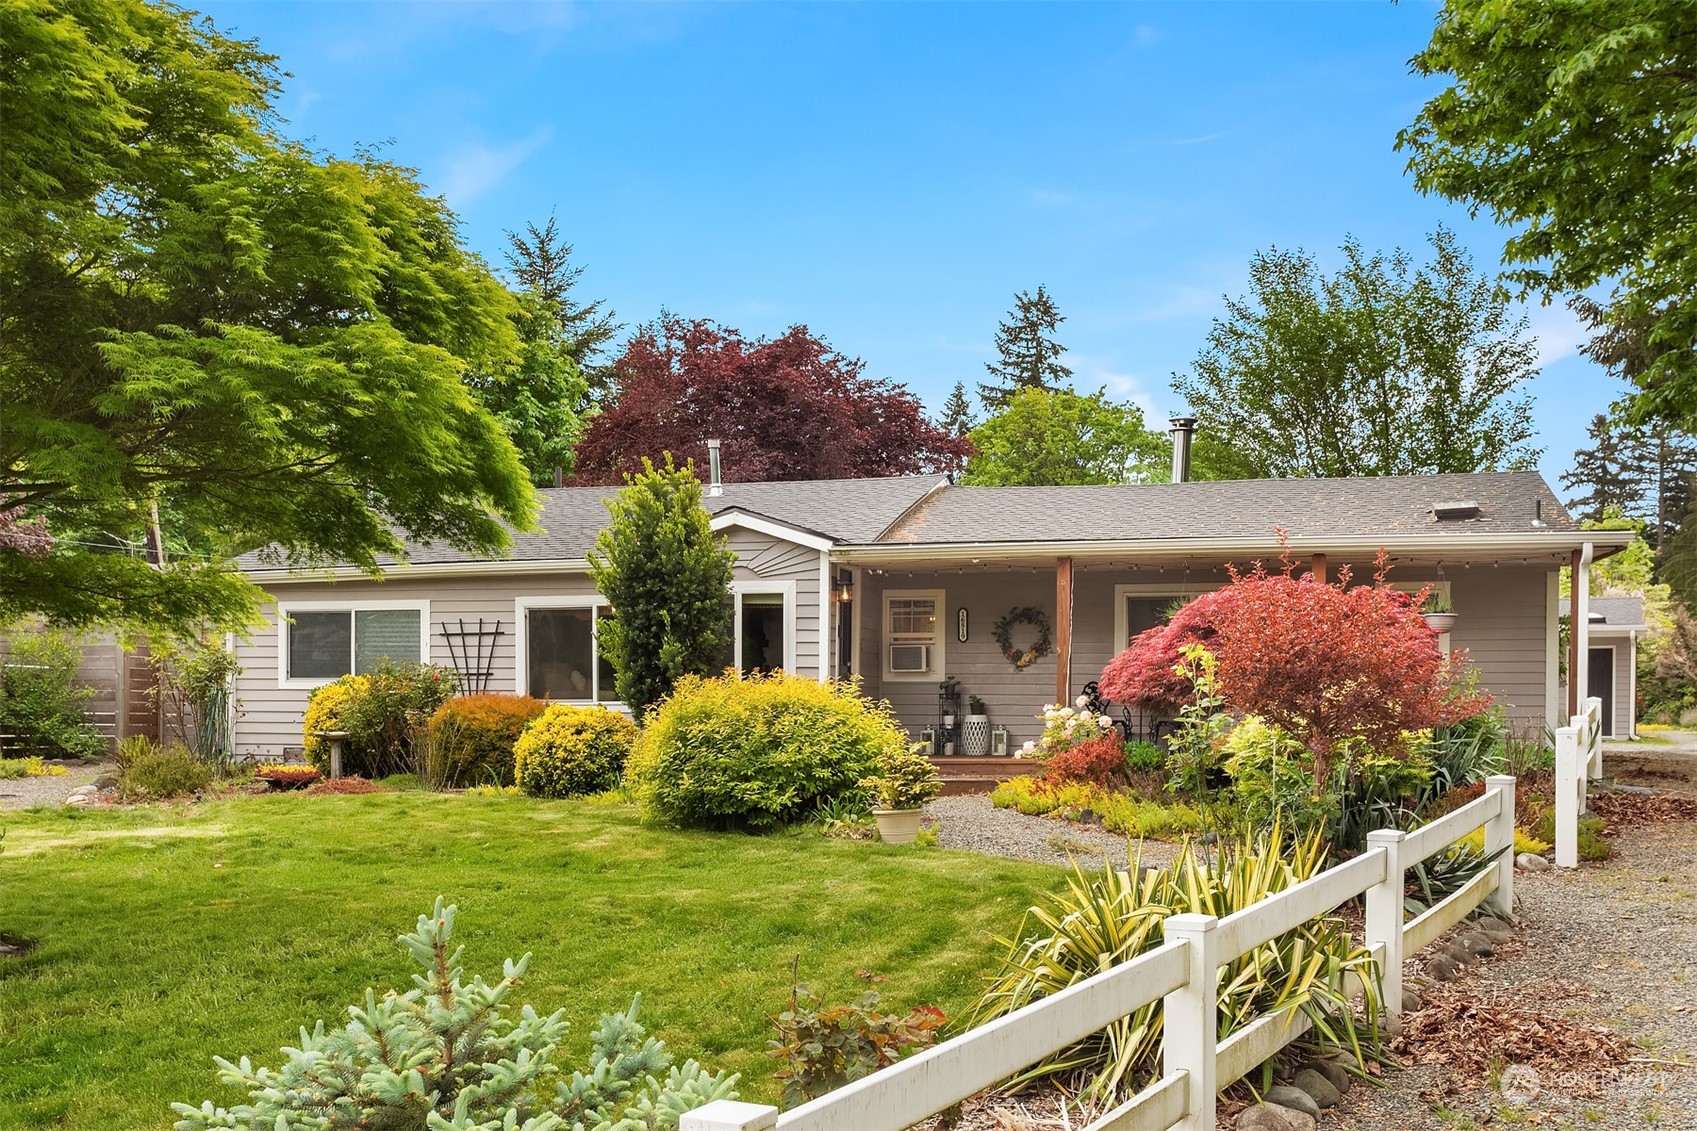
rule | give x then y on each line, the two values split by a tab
789	407
1146	674
1326	662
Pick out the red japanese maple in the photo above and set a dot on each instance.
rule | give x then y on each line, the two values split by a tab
789	407
1145	674
1325	661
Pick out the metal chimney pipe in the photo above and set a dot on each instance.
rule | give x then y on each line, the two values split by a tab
1183	428
715	484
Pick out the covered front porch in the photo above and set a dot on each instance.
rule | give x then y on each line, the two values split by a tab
920	632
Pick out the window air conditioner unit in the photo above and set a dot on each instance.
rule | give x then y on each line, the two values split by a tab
910	657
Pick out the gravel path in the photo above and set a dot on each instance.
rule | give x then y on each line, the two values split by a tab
970	821
1625	932
26	793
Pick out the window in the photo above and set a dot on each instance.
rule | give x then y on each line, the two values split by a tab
321	642
1138	608
913	636
558	650
762	626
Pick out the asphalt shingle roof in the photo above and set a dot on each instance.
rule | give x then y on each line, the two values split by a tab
1613	610
1251	508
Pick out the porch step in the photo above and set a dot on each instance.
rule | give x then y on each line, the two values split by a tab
963	774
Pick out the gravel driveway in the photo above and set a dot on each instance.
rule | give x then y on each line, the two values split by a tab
26	793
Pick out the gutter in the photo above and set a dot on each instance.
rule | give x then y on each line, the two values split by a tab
1262	546
405	572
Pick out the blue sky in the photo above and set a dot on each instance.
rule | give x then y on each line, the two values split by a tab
890	174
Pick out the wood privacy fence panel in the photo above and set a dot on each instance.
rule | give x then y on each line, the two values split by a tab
1182	974
117	678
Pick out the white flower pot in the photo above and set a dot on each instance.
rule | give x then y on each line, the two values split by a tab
1439	622
975	736
897	826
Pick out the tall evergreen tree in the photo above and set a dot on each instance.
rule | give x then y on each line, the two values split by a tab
1607	473
668	578
540	262
958	418
1028	355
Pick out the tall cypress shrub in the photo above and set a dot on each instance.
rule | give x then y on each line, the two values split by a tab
668	578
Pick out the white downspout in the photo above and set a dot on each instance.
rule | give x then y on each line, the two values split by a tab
1581	628
827	620
1632	685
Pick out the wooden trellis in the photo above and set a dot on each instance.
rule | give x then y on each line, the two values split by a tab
472	653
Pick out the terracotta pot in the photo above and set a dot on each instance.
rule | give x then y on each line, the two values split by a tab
897	826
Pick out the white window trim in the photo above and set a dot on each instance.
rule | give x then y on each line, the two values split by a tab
286	609
1176	590
784	588
521	645
940	669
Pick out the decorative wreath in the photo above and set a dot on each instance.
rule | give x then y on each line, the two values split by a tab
1044	644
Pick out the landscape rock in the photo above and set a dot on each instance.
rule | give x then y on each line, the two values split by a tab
1336	1074
1272	1117
1443	968
1456	951
1410	1001
1283	1095
105	782
1531	862
1478	942
1317	1086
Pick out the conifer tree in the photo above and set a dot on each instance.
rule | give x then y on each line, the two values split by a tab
958	418
540	261
668	578
1605	472
1028	355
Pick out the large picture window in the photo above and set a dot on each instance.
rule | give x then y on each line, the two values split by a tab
321	642
1138	608
913	634
559	655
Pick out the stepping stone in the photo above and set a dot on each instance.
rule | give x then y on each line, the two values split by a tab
1272	1117
1317	1086
1294	1098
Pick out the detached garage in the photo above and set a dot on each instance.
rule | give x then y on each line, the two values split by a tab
1616	623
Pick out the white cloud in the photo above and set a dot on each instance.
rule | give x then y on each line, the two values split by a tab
1559	331
475	169
1200	139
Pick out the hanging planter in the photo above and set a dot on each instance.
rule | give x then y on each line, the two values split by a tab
1439	622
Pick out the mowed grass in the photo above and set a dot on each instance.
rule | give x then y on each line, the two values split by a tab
165	935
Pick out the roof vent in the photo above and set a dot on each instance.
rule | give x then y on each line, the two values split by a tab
715	483
1461	508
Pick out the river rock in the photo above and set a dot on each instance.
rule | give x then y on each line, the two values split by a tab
1410	1001
1443	968
1317	1086
1296	1099
1336	1075
1531	862
1272	1117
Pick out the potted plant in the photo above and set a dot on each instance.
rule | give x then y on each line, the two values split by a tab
1438	614
904	782
975	735
948	695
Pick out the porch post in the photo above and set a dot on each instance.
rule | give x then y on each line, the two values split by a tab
1579	605
1063	631
1573	636
1317	565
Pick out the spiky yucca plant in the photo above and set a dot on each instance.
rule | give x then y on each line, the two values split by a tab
1108	918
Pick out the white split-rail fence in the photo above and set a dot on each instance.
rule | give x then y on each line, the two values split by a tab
1579	762
1183	974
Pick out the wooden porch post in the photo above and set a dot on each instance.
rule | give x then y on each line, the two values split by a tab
1063	631
1573	637
1317	564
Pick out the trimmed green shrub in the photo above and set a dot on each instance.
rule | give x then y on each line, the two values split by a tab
756	751
473	737
41	703
163	773
567	751
382	711
1145	758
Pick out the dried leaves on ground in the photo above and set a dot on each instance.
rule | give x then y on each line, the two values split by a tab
1622	811
1472	1034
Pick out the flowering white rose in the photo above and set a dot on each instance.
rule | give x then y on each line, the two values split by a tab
1082	701
1104	721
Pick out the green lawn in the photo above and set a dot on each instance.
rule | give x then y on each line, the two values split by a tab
166	935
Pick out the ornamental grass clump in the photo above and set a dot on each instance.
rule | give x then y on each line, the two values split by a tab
1112	916
569	751
756	751
449	1055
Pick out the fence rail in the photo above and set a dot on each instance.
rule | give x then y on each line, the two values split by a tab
1579	761
1181	973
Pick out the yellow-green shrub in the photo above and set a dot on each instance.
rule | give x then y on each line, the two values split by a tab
1120	811
567	751
756	751
475	736
324	709
1523	842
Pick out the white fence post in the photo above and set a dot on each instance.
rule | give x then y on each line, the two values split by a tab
730	1115
1570	782
1384	923
1499	838
1594	738
1191	1019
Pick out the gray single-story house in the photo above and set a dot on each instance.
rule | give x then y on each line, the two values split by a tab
1614	626
901	582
